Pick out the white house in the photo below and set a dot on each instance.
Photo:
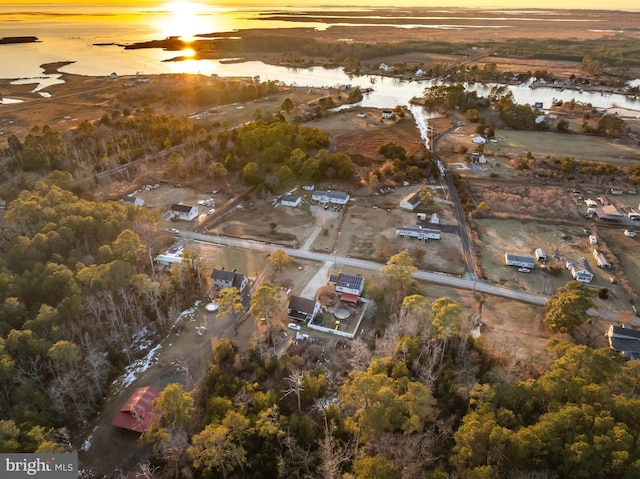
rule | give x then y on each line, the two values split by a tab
338	197
303	309
580	270
600	259
172	255
348	285
291	200
183	212
410	201
418	232
222	279
522	261
133	200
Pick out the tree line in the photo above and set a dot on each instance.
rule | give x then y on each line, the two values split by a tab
78	295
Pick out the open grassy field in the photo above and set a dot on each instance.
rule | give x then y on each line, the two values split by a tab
559	145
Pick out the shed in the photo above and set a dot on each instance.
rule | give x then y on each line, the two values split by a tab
541	255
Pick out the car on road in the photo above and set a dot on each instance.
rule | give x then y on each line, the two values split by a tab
294	326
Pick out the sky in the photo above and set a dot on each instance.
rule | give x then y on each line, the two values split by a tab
522	4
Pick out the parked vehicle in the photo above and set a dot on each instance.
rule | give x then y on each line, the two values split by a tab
524	270
294	326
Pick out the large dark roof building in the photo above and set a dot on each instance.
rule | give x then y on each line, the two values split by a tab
625	341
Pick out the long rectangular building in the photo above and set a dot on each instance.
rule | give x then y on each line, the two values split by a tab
523	261
422	234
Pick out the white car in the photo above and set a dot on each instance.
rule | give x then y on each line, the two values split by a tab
629	233
294	326
524	270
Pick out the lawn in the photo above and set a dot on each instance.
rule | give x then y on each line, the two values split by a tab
559	145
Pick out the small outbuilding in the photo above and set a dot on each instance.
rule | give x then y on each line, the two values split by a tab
541	255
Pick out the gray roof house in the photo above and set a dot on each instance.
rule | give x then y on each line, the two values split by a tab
523	261
291	200
221	279
302	309
580	270
625	341
418	232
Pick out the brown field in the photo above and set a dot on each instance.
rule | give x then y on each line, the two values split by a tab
495	237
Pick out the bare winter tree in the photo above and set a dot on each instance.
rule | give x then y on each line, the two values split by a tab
295	385
147	471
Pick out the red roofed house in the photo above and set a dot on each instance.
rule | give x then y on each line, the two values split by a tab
137	413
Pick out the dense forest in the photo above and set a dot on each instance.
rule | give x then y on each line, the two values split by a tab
78	292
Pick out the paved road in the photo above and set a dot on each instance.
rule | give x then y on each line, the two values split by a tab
438	278
462	221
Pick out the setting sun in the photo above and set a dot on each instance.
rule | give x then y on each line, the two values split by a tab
185	21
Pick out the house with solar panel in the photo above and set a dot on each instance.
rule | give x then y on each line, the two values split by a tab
349	286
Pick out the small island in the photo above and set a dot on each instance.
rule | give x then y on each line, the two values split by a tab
9	40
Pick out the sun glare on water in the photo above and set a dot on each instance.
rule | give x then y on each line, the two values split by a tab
185	21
